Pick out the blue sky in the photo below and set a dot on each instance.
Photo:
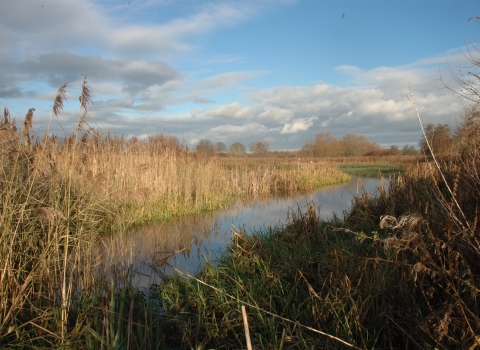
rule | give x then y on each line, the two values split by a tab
239	71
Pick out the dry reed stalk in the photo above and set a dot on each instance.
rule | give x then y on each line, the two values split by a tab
27	127
436	162
247	331
48	215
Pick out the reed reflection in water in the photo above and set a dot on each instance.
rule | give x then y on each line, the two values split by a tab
184	244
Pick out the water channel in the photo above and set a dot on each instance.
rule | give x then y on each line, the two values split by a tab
184	244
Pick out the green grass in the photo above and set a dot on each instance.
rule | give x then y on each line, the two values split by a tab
371	170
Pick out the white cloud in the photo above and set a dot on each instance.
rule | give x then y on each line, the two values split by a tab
232	110
251	128
297	125
127	66
276	114
54	24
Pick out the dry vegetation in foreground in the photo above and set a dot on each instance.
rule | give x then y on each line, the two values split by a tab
399	272
59	196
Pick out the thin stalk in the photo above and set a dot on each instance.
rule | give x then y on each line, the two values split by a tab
435	159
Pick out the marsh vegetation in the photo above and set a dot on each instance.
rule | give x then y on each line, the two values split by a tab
399	270
60	196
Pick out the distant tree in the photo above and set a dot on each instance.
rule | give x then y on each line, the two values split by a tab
205	148
162	142
409	150
394	150
467	135
439	137
326	145
220	147
358	145
259	147
308	150
237	149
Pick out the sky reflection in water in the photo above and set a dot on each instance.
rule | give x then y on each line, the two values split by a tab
184	244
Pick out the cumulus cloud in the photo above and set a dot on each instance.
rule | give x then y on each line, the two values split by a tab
202	100
287	115
254	128
232	110
130	74
276	114
227	79
297	125
58	68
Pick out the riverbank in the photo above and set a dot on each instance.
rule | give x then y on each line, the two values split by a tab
400	271
60	196
372	169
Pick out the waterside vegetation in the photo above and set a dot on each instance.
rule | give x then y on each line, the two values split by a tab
399	271
372	169
61	198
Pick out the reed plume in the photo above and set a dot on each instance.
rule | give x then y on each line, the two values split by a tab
85	100
59	99
6	115
27	127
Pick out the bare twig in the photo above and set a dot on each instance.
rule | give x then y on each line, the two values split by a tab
245	325
434	158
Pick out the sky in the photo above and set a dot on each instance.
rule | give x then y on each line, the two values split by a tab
240	71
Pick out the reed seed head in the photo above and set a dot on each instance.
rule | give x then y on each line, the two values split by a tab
59	99
47	215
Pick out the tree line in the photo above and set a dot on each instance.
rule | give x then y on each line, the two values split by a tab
327	145
205	147
323	145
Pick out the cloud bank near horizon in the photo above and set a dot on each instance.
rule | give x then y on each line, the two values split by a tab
139	89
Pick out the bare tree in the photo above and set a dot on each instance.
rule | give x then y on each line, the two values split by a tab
358	145
259	147
439	137
409	150
237	149
394	150
326	145
205	147
220	147
162	142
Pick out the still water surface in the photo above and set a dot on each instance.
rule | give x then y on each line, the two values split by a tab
184	244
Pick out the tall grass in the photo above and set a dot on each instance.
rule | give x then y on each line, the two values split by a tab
400	271
59	197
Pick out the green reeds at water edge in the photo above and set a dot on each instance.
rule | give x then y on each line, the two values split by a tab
371	170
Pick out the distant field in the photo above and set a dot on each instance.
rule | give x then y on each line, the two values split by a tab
371	170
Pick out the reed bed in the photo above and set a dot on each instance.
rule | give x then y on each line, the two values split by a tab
61	196
399	271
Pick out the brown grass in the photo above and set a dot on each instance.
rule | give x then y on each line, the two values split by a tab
59	196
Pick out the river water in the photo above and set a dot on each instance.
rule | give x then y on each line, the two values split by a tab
184	244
